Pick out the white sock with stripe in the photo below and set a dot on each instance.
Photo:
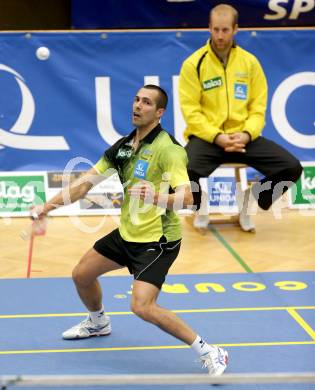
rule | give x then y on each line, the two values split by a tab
98	317
200	346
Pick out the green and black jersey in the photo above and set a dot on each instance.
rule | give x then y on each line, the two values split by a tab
159	160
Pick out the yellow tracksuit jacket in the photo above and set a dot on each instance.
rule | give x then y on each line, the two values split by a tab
216	99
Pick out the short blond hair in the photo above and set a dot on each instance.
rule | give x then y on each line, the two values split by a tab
224	9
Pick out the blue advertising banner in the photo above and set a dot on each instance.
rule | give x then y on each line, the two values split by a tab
78	101
95	14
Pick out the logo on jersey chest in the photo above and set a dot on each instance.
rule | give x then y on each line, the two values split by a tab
212	83
240	91
124	152
141	168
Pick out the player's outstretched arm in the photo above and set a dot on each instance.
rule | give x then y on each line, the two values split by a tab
70	194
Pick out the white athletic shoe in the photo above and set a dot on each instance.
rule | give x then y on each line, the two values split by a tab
87	328
215	361
245	220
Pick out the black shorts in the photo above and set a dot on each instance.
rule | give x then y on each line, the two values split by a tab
147	261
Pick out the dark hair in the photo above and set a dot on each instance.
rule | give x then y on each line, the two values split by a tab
162	99
224	8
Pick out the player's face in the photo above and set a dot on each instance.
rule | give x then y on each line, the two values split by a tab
222	31
145	112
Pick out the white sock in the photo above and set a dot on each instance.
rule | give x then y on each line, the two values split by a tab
201	219
200	346
204	205
245	210
98	317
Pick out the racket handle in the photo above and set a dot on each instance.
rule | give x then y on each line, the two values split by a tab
34	215
36	228
26	234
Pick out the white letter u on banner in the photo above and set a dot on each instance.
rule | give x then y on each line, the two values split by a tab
104	111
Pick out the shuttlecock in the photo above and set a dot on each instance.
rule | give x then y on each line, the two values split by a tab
42	53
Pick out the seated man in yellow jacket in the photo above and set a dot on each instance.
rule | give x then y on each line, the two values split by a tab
223	97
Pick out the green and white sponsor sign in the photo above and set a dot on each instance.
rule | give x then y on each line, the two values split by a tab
302	195
18	192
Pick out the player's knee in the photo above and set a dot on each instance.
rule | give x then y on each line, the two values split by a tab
79	277
138	308
142	310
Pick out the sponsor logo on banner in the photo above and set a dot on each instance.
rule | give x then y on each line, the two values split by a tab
290	11
212	83
56	178
304	192
141	169
19	193
30	101
222	191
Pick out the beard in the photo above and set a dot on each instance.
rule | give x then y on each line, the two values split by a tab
221	45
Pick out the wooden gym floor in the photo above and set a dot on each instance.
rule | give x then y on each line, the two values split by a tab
279	245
